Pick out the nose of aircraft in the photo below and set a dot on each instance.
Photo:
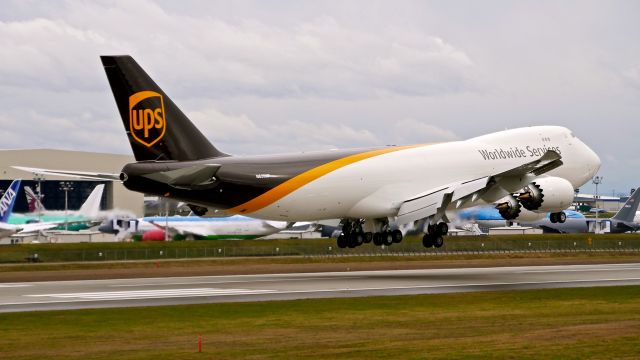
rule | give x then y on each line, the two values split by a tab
595	162
592	160
107	227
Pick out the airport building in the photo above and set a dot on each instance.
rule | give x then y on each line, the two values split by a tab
115	196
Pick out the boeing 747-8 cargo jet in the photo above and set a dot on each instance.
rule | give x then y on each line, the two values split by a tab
536	168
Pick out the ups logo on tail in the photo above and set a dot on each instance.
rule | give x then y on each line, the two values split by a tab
147	121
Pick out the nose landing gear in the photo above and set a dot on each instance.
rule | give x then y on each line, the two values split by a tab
559	217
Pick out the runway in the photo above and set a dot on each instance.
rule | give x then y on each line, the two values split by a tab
59	295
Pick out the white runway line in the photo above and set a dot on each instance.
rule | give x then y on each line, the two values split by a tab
579	270
14	285
147	294
234	281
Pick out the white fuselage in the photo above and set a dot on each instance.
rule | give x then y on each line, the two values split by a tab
230	227
377	186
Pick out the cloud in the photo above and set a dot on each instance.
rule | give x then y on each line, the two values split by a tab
240	135
632	76
297	76
49	54
318	58
414	131
37	130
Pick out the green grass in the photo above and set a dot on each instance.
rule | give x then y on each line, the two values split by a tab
604	215
282	247
597	323
232	265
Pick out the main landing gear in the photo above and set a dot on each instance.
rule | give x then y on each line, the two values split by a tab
435	235
559	217
353	235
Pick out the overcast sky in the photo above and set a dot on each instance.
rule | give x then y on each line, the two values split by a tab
276	76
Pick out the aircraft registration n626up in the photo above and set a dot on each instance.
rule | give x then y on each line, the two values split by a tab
535	168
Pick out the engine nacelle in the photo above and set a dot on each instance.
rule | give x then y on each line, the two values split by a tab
509	207
547	194
198	210
530	216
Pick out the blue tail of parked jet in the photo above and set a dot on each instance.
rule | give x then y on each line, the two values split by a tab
8	200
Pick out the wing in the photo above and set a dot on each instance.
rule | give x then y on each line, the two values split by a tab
36	227
433	203
71	173
7	229
182	229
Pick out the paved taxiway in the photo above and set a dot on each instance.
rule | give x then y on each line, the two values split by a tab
51	295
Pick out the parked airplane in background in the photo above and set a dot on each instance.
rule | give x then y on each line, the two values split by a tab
33	202
76	219
7	202
90	207
622	221
535	168
489	217
194	227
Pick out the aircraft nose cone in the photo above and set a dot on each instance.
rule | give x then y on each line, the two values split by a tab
594	162
106	227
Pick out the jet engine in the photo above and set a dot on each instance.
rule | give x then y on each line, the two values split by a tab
509	207
530	216
198	210
548	194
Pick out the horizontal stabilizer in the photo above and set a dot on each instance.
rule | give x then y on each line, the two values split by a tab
71	173
191	178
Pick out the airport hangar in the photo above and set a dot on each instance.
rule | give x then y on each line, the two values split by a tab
115	196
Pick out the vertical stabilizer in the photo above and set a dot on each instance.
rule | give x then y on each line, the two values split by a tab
8	200
35	205
91	206
156	127
628	210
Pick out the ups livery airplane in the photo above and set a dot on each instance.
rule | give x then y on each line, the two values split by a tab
530	170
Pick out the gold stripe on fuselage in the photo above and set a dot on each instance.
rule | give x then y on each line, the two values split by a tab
306	177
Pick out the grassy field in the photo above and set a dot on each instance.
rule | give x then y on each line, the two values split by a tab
83	252
200	244
277	264
597	323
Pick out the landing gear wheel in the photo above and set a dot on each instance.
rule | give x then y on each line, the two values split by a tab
377	239
442	228
553	217
387	238
561	217
368	237
438	241
342	241
396	235
358	238
427	240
